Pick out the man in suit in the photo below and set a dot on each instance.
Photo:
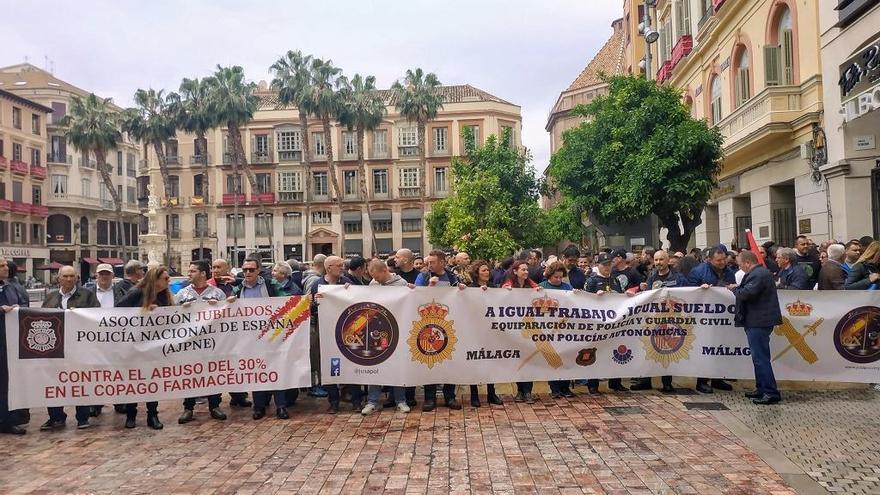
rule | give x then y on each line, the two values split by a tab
832	275
69	296
757	310
10	298
134	271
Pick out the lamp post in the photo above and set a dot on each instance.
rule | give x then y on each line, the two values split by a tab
651	36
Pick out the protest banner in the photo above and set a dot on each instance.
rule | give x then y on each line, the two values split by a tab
124	355
400	336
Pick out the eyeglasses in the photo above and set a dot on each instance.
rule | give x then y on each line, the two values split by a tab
248	269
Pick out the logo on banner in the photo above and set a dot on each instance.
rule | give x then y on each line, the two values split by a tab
41	335
586	357
671	339
432	338
798	340
857	335
622	354
542	347
367	333
335	366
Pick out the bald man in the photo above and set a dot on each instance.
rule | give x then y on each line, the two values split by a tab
69	296
404	261
221	278
462	264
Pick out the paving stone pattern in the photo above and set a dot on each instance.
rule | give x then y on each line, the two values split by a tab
551	447
834	436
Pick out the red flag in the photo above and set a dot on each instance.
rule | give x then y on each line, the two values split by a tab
753	247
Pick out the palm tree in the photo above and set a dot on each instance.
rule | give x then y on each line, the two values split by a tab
362	109
233	101
326	81
293	82
153	121
195	115
93	126
419	99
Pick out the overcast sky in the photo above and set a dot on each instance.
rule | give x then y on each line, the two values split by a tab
524	51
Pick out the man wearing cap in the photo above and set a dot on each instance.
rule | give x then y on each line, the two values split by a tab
104	285
601	282
627	276
69	296
714	272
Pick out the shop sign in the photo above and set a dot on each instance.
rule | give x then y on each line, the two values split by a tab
860	72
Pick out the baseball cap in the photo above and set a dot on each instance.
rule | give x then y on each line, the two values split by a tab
604	258
618	252
104	267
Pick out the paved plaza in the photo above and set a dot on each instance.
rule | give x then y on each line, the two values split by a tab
629	443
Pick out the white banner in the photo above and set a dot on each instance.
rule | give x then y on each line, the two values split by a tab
400	336
122	355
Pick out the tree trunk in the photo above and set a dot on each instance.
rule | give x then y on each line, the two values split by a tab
101	158
328	146
678	237
235	134
362	167
203	144
307	160
166	180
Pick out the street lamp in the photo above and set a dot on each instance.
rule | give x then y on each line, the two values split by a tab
651	36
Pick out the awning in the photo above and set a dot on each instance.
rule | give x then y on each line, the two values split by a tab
351	215
411	214
113	261
91	261
381	214
51	266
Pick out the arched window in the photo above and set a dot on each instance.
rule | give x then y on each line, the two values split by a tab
58	228
779	51
715	101
742	87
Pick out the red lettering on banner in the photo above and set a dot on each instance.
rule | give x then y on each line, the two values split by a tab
78	391
135	375
53	392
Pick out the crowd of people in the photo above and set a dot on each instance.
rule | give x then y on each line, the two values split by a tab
754	279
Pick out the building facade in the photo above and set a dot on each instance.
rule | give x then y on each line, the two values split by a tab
81	227
224	218
23	209
850	43
751	68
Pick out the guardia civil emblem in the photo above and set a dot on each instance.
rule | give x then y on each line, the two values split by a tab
670	337
41	336
432	338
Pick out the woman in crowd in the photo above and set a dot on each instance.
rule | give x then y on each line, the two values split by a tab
865	274
481	276
150	293
553	280
518	278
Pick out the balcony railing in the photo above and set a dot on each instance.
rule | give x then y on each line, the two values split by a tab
40	210
59	158
664	72
682	49
172	161
197	159
174	233
107	204
171	201
20	207
408	151
290	197
87	162
19	167
290	156
351	197
231	198
228	158
705	18
771	108
5	205
264	197
261	157
38	172
408	192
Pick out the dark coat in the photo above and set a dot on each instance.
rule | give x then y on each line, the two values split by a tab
794	278
135	299
832	276
120	289
704	273
757	304
858	278
81	298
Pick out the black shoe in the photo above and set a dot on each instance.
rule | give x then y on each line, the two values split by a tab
186	417
618	387
593	391
389	404
520	397
241	403
704	388
722	385
52	425
130	422
555	395
154	423
334	408
259	413
766	400
22	417
119	408
475	401
429	405
83	425
754	394
281	413
95	411
216	413
411	402
453	404
568	394
495	400
667	389
641	385
9	429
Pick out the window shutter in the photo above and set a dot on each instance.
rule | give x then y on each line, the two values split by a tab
253	145
742	86
679	18
686	17
787	57
772	66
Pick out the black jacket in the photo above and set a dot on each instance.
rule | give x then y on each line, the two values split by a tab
756	302
135	299
794	278
858	278
811	265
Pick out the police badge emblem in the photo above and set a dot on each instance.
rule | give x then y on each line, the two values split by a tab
432	338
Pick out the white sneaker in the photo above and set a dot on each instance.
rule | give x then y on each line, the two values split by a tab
368	409
402	407
877	387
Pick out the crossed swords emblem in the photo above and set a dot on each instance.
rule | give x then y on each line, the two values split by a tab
797	340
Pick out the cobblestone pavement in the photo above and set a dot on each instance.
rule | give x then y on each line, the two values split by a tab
650	444
834	436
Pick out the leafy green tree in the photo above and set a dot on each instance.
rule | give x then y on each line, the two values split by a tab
639	152
92	125
495	208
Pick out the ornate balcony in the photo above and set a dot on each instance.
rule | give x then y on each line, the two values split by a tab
408	192
4	163
19	167
40	210
38	172
230	199
264	198
665	72
290	197
22	208
261	157
682	49
290	156
59	158
197	159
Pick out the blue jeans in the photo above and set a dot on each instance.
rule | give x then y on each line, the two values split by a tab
759	344
374	391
